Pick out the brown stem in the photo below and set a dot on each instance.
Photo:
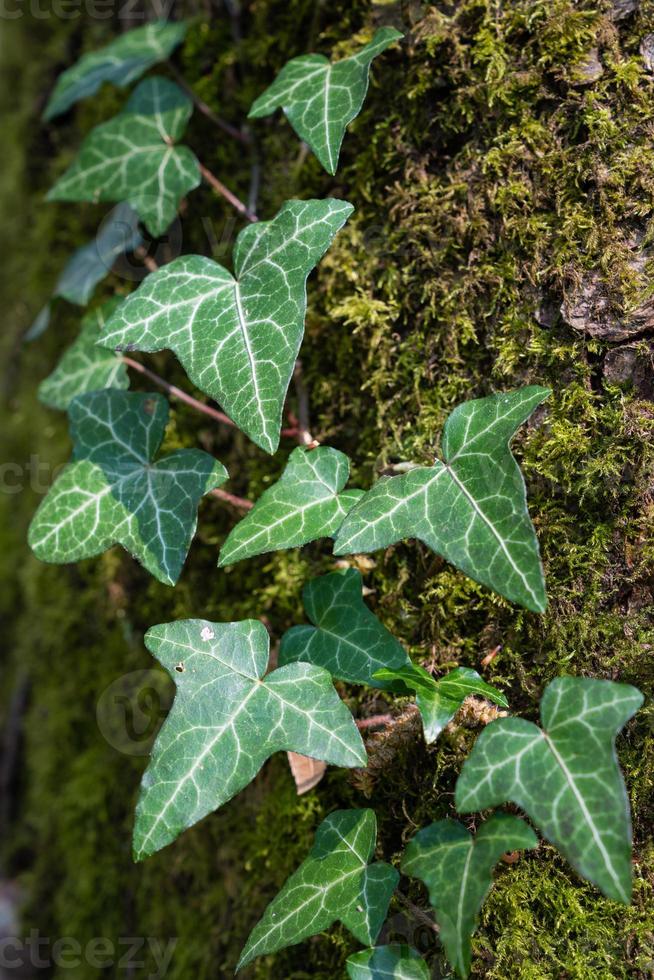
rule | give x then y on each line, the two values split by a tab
176	392
205	109
375	721
225	192
146	259
235	501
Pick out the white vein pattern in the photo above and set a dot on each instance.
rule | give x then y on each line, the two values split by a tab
387	963
121	62
114	492
347	639
471	508
457	869
227	719
85	366
307	502
336	882
320	98
237	337
132	157
565	776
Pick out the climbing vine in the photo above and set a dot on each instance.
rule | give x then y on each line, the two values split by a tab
237	335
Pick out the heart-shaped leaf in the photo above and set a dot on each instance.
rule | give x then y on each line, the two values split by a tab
321	98
335	883
457	869
227	719
121	62
347	639
307	502
439	701
85	366
387	963
565	776
117	235
471	508
237	338
112	492
132	157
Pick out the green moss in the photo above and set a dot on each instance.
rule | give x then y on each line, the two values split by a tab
489	177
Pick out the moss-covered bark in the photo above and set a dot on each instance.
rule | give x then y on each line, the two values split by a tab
502	167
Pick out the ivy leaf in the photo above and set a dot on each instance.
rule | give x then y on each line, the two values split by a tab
347	639
471	508
112	492
335	883
118	235
565	776
227	719
121	62
85	366
132	157
320	98
40	324
439	701
457	869
307	502
237	338
387	963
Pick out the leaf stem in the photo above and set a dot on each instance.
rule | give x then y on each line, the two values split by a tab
232	499
176	392
375	721
225	192
206	110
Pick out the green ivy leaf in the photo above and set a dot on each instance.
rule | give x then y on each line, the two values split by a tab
113	493
439	701
387	963
347	639
132	157
307	502
118	234
565	776
227	719
335	883
121	62
320	98
85	366
457	869
471	508
237	338
90	264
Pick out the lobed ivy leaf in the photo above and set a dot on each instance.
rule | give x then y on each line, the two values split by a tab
118	234
471	508
457	869
227	719
387	963
237	337
85	366
114	492
565	776
346	639
121	62
133	157
307	502
321	98
335	883
439	701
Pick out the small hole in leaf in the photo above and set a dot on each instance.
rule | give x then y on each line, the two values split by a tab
148	406
180	668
